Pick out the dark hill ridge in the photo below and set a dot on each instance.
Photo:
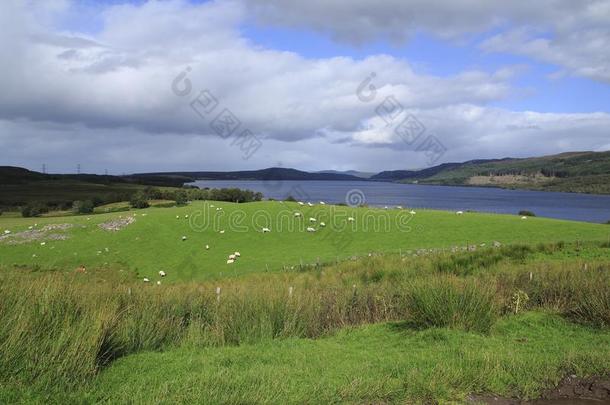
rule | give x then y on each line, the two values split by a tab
397	175
272	173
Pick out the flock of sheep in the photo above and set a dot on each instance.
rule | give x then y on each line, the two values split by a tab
233	257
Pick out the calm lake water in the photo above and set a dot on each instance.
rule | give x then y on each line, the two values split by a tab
579	207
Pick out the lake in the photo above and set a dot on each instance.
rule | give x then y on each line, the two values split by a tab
578	207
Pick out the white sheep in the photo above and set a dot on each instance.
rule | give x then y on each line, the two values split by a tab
212	205
322	203
186	216
297	214
399	207
177	216
310	229
6	231
158	283
524	217
237	254
223	231
300	203
230	261
146	280
43	243
460	213
312	220
310	204
162	273
412	212
207	247
265	230
322	224
385	208
232	257
351	219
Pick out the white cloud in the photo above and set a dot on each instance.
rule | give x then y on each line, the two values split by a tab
106	94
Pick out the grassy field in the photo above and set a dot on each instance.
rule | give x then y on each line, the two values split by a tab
434	328
391	307
154	241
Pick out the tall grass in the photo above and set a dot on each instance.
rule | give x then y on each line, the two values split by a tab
58	328
451	302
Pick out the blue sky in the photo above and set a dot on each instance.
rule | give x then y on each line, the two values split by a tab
485	79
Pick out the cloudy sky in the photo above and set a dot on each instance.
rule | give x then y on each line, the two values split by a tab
132	86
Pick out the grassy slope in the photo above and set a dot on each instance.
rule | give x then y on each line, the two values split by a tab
378	363
154	243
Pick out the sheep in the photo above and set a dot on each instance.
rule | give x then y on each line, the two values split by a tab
385	208
43	243
399	207
183	238
322	203
158	283
237	254
146	280
300	203
310	229
297	214
6	231
177	216
322	224
351	219
223	231
310	204
412	212
230	261
30	227
232	257
312	220
207	247
265	230
162	273
460	213
524	217
186	216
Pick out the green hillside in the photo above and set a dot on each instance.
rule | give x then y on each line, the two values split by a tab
586	172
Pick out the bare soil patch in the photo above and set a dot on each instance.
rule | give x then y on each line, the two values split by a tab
33	235
117	224
571	390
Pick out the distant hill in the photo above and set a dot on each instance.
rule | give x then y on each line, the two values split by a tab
272	173
20	186
583	172
362	175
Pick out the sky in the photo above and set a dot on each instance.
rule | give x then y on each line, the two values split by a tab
175	85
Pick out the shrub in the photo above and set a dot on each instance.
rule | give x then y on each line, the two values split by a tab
33	210
180	197
139	200
82	207
292	199
526	213
451	302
